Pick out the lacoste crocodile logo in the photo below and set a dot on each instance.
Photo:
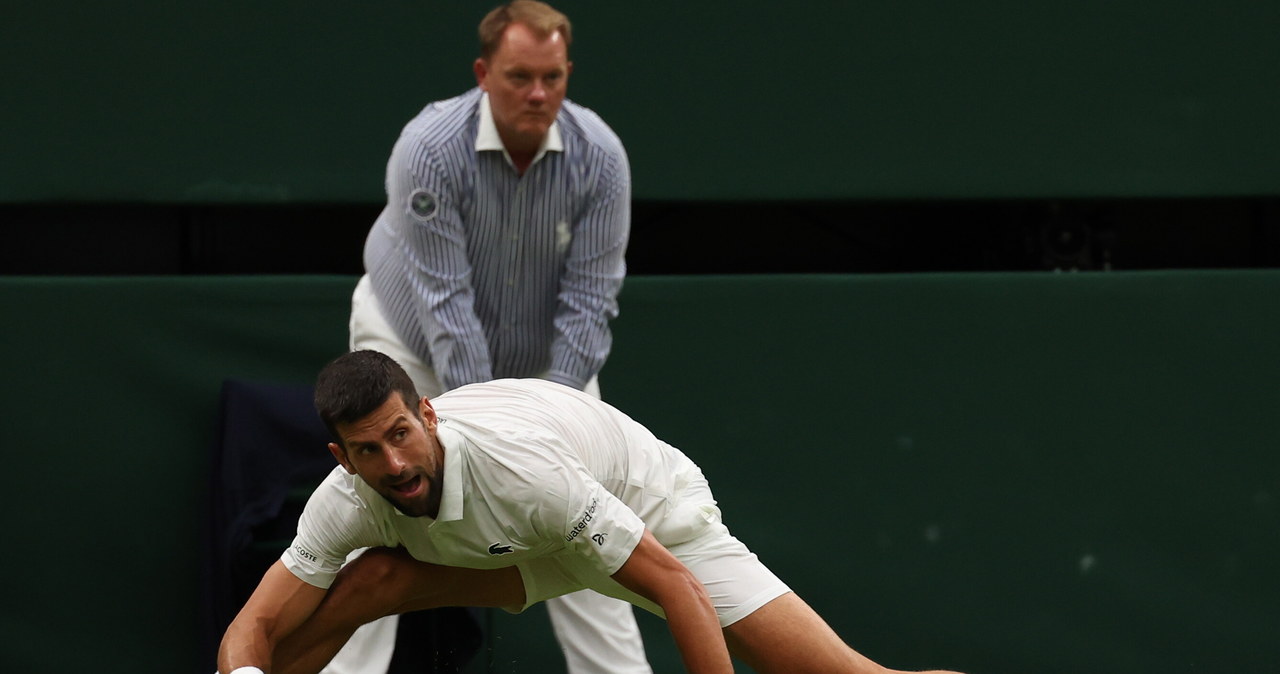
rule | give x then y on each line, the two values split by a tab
499	549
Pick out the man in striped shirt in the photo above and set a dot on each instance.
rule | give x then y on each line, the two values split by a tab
500	254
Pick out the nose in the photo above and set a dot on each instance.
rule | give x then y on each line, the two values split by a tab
538	93
395	462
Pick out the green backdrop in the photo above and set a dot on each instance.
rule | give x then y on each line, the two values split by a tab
292	101
998	473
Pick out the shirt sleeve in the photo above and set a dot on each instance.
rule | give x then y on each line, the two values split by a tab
428	208
532	480
602	528
593	274
334	523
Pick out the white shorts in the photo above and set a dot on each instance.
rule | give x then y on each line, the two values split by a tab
734	577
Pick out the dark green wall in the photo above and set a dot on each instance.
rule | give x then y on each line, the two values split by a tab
300	101
999	473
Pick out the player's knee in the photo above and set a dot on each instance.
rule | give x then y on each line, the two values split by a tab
371	582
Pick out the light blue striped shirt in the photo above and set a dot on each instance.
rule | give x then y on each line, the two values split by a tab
488	274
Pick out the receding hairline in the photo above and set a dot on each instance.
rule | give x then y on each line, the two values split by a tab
540	18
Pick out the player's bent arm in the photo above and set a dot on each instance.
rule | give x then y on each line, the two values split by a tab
277	607
654	573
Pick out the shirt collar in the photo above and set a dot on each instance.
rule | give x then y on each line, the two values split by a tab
452	444
487	137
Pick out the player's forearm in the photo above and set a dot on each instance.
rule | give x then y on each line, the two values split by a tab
654	573
244	646
276	608
696	629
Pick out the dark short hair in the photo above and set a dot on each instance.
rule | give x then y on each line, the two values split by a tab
355	384
540	17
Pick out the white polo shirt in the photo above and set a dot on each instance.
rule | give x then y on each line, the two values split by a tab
532	469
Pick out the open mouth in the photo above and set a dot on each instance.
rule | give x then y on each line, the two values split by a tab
410	487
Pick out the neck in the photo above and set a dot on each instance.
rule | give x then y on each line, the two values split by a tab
522	158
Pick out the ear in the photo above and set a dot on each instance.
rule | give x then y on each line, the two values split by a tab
568	69
428	414
482	71
341	456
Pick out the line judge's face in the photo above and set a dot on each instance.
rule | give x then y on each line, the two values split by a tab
395	450
526	78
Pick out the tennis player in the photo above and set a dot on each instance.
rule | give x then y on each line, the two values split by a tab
505	494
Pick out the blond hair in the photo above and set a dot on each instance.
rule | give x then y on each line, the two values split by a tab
540	17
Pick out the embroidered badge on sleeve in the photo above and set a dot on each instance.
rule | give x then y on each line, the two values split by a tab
423	205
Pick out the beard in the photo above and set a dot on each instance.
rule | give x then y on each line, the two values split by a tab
424	504
411	510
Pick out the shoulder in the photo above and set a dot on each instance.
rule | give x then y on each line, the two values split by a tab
339	502
512	404
518	471
515	428
336	521
585	126
444	122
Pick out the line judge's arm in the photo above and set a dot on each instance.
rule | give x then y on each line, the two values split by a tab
426	209
593	275
277	607
654	573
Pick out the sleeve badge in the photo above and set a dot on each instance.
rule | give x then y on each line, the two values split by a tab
423	205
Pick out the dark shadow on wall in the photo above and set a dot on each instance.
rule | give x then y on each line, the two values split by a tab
677	237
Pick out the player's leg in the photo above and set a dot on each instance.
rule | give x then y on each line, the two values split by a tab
384	582
786	636
369	650
765	624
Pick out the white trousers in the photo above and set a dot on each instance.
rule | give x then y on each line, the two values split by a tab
597	634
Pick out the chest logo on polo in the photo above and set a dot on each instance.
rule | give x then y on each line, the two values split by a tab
500	549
